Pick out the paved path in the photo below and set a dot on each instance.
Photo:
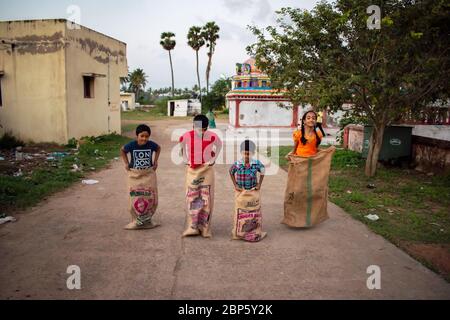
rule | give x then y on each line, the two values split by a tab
83	226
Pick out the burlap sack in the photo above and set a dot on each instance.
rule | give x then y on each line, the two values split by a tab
306	197
199	201
247	218
143	200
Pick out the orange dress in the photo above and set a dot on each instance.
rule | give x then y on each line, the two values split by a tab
310	148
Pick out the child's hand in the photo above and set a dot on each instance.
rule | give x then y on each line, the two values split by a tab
127	167
155	166
238	189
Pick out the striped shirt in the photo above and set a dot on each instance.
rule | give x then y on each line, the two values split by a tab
247	176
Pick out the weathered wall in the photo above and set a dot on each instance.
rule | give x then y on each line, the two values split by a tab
355	138
91	52
33	86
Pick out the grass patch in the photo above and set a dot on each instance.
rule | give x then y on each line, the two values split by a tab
130	127
30	189
413	207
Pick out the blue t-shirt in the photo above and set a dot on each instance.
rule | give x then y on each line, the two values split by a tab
141	156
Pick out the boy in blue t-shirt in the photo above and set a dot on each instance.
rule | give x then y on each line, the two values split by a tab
141	150
142	181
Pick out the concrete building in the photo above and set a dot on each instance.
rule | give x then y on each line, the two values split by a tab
252	103
128	101
184	108
59	80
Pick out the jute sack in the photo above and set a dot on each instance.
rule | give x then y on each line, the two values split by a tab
306	197
143	198
247	218
199	200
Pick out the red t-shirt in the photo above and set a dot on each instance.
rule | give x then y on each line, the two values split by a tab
200	150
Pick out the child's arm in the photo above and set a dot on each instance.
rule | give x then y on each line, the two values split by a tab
295	148
155	163
183	152
123	153
261	178
233	178
218	144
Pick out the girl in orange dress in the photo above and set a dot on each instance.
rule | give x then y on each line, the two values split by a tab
309	137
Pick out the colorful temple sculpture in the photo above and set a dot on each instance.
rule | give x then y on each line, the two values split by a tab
253	103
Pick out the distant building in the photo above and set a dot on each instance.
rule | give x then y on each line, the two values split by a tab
59	80
252	102
184	108
127	101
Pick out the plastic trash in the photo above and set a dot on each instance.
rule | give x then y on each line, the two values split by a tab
7	219
19	154
58	155
89	182
75	168
18	173
373	217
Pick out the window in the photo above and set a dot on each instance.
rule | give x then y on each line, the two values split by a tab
88	87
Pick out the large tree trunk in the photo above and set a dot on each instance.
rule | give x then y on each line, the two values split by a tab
171	69
376	141
198	78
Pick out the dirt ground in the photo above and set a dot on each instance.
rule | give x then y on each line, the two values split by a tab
83	226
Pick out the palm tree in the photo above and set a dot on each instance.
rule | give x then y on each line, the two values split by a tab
210	33
169	44
138	81
196	41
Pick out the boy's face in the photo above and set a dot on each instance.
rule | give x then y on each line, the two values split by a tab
199	130
143	137
246	155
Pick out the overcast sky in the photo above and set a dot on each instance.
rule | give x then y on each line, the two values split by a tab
139	23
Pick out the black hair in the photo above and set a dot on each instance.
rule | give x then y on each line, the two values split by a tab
303	139
248	145
203	119
143	128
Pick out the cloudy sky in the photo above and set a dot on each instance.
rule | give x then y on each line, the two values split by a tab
140	23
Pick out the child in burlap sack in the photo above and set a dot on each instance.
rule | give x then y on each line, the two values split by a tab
199	148
247	217
306	195
142	182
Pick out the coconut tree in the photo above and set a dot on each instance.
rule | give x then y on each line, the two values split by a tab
138	81
196	42
210	33
168	43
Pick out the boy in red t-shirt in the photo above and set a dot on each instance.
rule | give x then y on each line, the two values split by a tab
197	145
200	149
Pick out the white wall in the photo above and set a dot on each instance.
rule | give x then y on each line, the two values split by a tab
264	113
181	108
440	132
232	115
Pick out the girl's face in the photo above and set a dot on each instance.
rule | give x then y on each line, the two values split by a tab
310	120
143	137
